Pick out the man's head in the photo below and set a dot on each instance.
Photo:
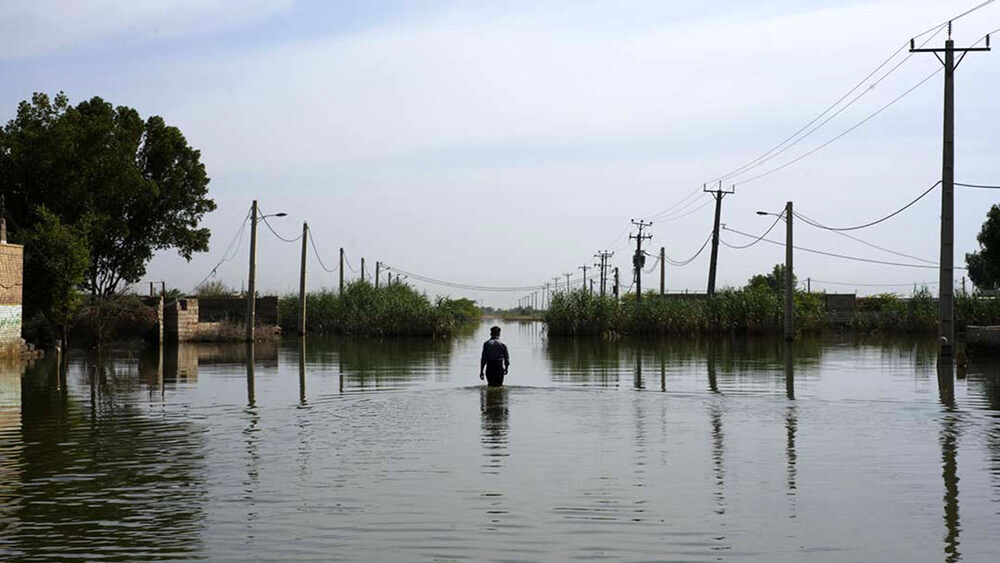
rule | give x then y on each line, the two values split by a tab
495	332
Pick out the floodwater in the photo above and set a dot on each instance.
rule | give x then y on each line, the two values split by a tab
841	449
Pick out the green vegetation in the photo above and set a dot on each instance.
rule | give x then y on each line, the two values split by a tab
984	265
752	310
390	310
95	188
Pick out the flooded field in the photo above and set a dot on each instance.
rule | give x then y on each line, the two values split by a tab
841	449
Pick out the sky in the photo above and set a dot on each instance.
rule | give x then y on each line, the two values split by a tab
504	143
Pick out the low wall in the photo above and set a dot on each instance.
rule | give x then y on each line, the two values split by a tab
215	309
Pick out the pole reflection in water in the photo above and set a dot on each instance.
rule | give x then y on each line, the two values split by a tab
250	377
949	464
713	383
638	369
663	371
302	370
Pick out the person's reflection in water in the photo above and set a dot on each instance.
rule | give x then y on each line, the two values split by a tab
493	404
949	463
493	407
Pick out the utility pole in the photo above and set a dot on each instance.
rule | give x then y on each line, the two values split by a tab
252	278
809	285
946	279
615	287
555	284
591	286
302	280
567	281
341	270
639	259
378	272
663	271
584	268
789	277
718	194
362	268
603	257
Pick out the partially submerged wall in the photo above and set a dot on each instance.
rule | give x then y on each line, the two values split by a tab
11	275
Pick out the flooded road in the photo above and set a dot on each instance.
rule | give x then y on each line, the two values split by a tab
841	449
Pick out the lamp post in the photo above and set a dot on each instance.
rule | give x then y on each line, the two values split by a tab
789	276
252	278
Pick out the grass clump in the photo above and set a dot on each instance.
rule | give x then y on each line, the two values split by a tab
395	309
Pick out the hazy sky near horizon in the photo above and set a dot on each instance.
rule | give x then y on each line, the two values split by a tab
504	143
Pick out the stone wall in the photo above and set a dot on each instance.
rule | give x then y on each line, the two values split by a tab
180	320
11	275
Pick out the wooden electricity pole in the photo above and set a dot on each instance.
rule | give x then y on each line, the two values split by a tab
302	280
718	194
946	274
639	259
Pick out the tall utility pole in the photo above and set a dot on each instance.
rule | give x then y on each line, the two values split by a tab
302	280
362	268
663	271
615	287
789	277
718	194
946	279
639	259
341	270
603	256
584	268
252	278
555	284
567	281
378	272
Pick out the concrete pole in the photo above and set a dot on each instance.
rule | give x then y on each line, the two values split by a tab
341	270
789	277
252	278
302	280
616	283
663	271
946	279
715	244
378	273
362	269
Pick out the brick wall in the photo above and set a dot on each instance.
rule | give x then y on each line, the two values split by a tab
11	274
180	320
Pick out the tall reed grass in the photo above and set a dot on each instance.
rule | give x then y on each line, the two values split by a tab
390	310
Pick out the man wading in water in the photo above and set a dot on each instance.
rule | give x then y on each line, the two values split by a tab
495	359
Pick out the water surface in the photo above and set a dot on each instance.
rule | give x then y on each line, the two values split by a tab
836	449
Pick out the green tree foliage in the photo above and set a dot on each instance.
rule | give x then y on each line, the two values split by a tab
775	281
128	187
984	266
58	255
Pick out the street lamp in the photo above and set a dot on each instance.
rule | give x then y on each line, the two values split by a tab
789	276
252	278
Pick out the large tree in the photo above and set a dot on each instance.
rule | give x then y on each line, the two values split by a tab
128	186
984	266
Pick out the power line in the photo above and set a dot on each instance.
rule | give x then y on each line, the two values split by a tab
681	263
226	257
825	282
871	223
843	133
980	186
348	262
275	233
872	245
756	239
312	241
457	285
835	255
